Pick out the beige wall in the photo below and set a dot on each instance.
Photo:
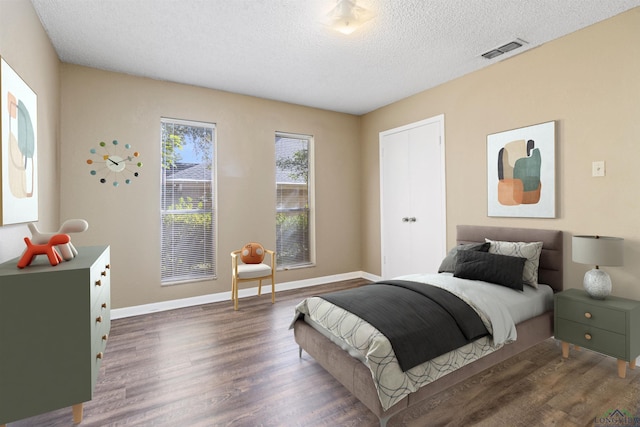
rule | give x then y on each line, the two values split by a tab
27	49
589	83
98	105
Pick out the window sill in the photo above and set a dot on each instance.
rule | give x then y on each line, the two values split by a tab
295	267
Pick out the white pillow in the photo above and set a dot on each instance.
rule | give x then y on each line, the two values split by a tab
528	250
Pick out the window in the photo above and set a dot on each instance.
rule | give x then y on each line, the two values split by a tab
294	201
187	202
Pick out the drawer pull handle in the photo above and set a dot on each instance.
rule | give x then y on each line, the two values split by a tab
99	355
99	319
104	305
587	336
107	266
98	282
104	273
587	315
105	337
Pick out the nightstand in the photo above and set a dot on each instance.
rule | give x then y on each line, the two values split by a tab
610	326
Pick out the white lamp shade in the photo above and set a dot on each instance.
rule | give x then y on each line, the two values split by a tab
598	250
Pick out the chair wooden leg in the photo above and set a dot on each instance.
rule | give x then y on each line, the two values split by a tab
259	287
273	292
234	293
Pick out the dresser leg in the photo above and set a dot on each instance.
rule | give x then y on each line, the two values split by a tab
77	413
622	368
565	349
632	365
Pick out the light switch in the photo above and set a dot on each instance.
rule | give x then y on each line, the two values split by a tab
597	168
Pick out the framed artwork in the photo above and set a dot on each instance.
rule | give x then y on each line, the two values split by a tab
521	172
19	160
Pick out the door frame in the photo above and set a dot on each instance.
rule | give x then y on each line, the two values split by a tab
439	119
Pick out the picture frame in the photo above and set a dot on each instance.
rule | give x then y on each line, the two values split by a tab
521	172
19	148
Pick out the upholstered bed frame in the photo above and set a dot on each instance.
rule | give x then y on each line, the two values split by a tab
356	377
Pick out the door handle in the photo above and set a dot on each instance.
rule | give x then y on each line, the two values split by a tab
412	219
405	219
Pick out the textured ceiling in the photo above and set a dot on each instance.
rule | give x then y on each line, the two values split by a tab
280	49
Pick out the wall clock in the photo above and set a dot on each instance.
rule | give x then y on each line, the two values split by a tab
114	163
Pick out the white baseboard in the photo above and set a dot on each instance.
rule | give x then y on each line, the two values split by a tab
119	313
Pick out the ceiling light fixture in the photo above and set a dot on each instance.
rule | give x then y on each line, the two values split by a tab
347	16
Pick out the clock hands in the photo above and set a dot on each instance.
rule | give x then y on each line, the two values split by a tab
128	158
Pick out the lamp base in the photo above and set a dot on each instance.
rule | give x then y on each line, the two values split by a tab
597	283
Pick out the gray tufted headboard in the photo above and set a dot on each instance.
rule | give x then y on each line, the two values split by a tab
551	262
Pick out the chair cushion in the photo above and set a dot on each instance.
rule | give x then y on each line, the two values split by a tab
249	271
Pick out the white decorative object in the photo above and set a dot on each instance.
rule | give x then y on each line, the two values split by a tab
597	250
68	251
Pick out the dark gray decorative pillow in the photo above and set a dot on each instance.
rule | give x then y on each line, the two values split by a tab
448	264
529	250
494	268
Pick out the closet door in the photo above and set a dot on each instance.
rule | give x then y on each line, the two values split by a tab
395	198
413	220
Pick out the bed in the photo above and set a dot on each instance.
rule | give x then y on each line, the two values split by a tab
361	378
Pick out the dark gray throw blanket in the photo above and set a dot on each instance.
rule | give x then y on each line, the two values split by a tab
421	321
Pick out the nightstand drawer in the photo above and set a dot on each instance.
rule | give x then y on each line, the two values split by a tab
592	315
593	338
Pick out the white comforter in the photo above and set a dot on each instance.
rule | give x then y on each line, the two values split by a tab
366	343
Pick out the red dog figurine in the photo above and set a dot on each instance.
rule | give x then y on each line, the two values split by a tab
45	249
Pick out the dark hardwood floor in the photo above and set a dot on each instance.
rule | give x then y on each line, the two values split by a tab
211	366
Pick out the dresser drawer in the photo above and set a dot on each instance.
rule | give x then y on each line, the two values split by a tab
601	340
100	276
101	305
101	318
101	325
99	338
592	315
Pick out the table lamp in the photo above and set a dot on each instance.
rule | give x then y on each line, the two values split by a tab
597	250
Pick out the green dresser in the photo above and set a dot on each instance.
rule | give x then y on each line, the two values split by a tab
610	326
54	325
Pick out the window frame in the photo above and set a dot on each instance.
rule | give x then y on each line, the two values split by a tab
214	201
310	199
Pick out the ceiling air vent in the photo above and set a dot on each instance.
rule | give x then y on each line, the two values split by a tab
504	49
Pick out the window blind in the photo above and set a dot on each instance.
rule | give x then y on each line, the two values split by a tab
294	241
187	202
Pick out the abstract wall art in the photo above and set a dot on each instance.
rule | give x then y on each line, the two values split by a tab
521	172
19	160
